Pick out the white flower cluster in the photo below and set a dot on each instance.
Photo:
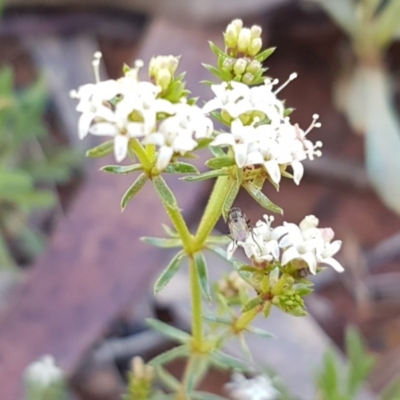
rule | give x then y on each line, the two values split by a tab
256	388
275	144
43	373
304	243
128	108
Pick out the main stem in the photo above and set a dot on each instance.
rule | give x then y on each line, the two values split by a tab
213	210
197	306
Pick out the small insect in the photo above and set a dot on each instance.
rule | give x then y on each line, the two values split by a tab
239	226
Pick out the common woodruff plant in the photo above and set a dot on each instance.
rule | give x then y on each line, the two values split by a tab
156	124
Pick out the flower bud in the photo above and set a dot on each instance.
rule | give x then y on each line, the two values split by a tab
248	78
231	36
253	67
226	116
240	66
228	63
255	31
169	63
163	78
238	24
254	47
244	40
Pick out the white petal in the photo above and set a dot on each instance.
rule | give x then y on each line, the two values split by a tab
154	138
231	249
84	124
104	129
288	255
120	147
212	105
298	171
165	154
334	264
223	139
240	154
311	261
255	157
135	129
272	168
184	143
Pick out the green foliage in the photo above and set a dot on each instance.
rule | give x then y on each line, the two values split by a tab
31	161
343	382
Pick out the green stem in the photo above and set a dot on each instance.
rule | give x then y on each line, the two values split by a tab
213	210
197	306
246	318
181	227
141	154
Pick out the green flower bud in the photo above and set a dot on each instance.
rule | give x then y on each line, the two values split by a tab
254	47
254	67
255	31
244	40
169	63
228	63
231	36
240	66
248	78
163	78
238	24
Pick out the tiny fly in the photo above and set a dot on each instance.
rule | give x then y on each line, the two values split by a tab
239	225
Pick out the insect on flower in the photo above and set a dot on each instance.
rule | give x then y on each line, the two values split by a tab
239	226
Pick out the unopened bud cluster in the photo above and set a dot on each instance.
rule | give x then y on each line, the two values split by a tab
162	70
242	42
140	380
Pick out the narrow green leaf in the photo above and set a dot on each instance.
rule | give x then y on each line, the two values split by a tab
168	330
217	151
218	73
230	198
245	347
169	231
169	272
216	50
181	168
133	190
162	242
206	175
101	150
201	268
261	199
260	332
203	143
229	362
220	320
264	54
251	303
169	380
164	192
220	162
121	169
169	355
195	372
220	240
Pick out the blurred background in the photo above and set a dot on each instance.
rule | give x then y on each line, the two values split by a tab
75	281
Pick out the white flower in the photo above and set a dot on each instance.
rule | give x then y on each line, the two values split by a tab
310	244
43	372
239	138
290	242
259	387
177	134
